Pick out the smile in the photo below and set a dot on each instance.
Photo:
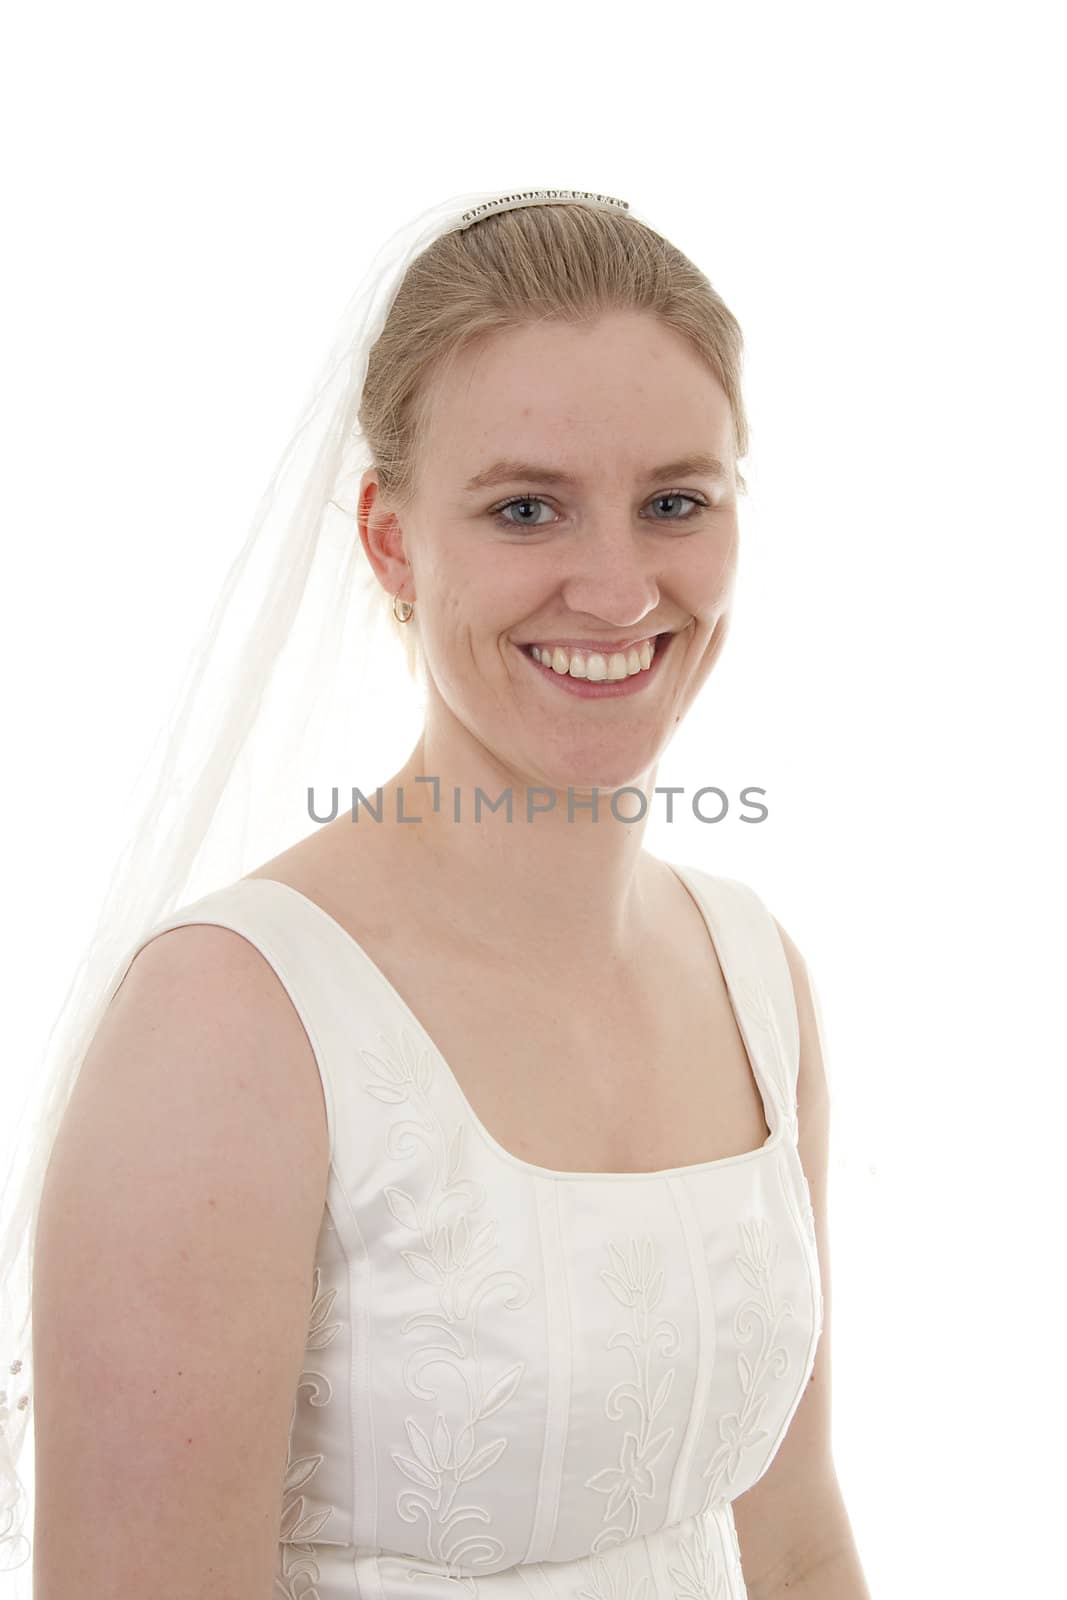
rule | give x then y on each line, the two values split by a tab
599	676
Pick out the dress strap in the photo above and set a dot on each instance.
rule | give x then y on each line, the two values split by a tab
760	984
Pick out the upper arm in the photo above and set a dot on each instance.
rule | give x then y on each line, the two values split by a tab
172	1280
795	1508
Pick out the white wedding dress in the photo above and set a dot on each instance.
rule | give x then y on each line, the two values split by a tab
518	1381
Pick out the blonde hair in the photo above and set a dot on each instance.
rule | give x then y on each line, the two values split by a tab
565	263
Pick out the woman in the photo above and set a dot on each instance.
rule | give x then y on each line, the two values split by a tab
443	1199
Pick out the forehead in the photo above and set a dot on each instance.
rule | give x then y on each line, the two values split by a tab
623	390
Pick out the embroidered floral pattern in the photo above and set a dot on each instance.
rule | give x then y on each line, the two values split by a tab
701	1575
299	1526
450	1253
613	1582
637	1284
757	1317
10	1441
23	1400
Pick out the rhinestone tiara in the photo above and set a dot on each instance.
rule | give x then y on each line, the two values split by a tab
540	197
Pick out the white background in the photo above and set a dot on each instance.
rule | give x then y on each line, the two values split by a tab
191	194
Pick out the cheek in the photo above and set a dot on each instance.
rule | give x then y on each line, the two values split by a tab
479	603
462	623
719	569
704	581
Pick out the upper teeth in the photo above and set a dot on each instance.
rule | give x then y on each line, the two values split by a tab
593	665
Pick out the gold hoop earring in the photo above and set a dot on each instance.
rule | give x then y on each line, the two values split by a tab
408	613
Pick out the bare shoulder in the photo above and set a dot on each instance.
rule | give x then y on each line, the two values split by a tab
173	1273
216	971
203	1023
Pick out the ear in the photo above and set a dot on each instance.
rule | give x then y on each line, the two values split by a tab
382	538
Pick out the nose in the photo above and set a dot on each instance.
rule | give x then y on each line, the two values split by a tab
612	575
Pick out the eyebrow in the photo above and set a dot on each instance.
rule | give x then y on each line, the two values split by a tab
508	471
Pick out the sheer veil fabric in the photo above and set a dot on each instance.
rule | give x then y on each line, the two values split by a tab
273	689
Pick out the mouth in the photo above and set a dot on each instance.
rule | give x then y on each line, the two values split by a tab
604	689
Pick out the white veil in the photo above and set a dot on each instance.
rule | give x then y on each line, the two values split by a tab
298	616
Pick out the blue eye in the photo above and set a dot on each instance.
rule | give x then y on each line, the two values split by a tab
535	499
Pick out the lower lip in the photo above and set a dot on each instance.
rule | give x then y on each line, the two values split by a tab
585	690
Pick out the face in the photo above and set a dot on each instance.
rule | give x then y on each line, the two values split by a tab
614	552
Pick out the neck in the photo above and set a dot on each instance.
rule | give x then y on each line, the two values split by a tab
559	877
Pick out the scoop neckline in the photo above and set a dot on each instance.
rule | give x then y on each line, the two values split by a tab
775	1123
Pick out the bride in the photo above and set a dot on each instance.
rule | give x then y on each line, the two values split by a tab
468	1029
